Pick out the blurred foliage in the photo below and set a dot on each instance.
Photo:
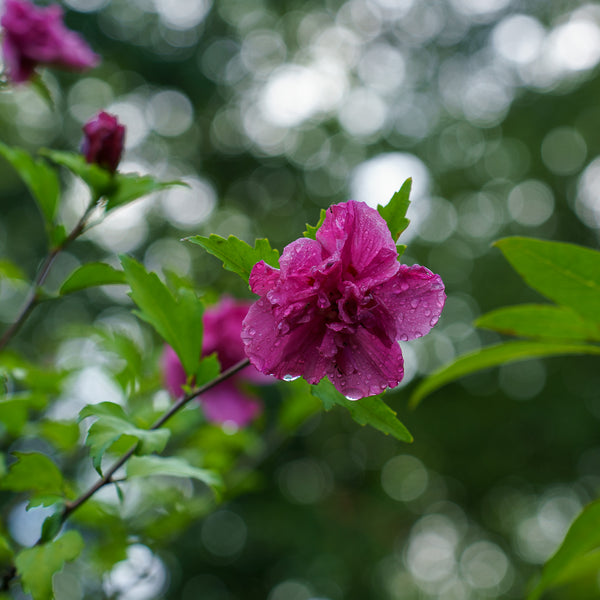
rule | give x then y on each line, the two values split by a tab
271	111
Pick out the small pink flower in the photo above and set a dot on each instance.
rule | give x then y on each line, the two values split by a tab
37	36
103	141
226	402
339	305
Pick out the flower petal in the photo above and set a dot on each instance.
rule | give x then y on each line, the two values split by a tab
225	403
366	366
413	299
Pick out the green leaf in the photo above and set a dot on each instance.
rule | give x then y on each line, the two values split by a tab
394	212
577	555
8	270
148	466
37	565
236	255
131	186
298	405
52	525
63	435
112	423
14	410
33	472
43	91
177	321
41	180
540	321
209	369
565	273
99	180
492	356
371	411
90	275
311	230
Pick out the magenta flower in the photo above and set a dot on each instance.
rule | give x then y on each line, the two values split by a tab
339	305
34	36
103	141
225	403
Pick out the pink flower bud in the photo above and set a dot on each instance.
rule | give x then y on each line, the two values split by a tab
37	36
103	141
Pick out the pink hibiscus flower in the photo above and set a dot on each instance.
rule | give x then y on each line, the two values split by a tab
339	305
33	36
225	403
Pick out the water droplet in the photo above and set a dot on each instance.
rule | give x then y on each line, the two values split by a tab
404	287
252	331
353	394
290	377
414	303
427	313
433	321
404	338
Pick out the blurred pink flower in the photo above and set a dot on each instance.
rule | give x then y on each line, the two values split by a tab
226	402
103	141
34	36
339	305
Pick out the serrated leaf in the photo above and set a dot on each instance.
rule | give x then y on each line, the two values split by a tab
41	180
371	411
112	423
177	321
131	186
148	466
90	275
394	212
493	356
540	321
578	553
236	255
99	180
565	273
37	565
311	230
33	472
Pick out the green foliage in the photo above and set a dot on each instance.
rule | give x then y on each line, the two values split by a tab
494	356
15	409
371	411
90	275
149	466
299	404
208	369
311	230
63	435
394	212
177	320
578	555
565	273
236	255
34	472
37	565
111	425
117	188
38	177
540	321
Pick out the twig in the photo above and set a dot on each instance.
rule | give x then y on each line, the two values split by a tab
34	294
70	507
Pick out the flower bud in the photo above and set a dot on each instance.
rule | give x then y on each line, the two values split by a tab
103	141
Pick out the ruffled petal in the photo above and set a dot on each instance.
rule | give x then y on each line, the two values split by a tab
225	403
365	366
361	235
413	300
285	356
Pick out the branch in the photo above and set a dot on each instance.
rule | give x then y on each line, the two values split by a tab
70	507
34	295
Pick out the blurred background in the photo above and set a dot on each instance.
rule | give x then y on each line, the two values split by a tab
271	110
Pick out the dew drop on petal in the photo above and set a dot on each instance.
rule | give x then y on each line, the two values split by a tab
404	338
251	331
353	394
414	303
433	321
404	287
290	377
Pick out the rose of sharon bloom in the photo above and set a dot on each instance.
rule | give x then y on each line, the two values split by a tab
339	305
103	141
34	36
226	402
